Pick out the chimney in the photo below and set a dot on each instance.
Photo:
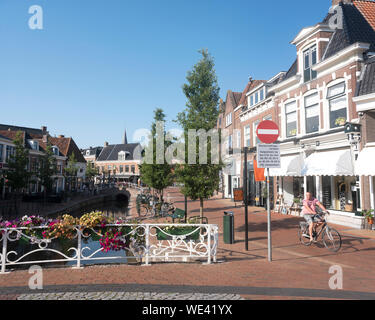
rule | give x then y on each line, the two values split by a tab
61	136
44	129
106	144
336	2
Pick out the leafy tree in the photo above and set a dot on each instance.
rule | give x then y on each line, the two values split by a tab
18	174
47	169
202	92
71	170
157	176
91	172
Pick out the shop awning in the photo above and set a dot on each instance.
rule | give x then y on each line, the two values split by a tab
365	163
332	163
291	166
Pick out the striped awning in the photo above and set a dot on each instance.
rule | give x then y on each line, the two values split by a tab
365	163
291	166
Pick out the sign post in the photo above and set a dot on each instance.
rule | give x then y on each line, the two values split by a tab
268	156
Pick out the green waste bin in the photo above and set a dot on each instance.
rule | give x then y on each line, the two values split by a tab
228	227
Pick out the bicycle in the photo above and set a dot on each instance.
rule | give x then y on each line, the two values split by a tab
331	237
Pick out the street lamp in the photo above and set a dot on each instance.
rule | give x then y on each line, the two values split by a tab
353	132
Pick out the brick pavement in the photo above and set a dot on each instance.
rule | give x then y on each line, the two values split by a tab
297	272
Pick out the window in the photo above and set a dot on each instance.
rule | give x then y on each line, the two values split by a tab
262	95
256	98
230	143
251	100
247	136
87	152
229	120
268	117
121	156
255	127
126	168
1	153
34	145
337	105
8	153
109	168
312	113
55	150
121	169
309	59
238	143
291	119
219	121
133	169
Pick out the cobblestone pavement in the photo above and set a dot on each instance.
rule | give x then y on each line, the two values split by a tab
127	296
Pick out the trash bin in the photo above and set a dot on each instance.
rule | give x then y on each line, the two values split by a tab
228	227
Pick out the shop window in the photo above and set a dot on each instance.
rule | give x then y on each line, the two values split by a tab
312	113
1	153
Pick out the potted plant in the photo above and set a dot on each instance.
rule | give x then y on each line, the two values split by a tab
369	215
292	132
340	121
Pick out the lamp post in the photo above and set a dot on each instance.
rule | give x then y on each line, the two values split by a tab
245	199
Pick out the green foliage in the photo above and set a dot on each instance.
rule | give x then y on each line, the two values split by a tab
18	174
48	168
71	170
202	92
91	172
157	176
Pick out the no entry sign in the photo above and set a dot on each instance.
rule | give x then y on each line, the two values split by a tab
268	132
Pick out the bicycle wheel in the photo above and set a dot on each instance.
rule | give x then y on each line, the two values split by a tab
332	239
304	237
143	211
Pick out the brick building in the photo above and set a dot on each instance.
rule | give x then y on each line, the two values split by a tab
327	91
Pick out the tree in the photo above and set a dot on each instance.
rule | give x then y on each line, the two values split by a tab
18	174
91	172
157	176
47	169
202	92
71	170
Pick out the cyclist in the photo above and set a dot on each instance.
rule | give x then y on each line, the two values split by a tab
310	214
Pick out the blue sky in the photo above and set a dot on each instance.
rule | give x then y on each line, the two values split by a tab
99	67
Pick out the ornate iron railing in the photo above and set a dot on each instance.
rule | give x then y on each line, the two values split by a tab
145	242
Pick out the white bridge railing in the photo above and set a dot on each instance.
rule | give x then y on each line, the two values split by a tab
145	242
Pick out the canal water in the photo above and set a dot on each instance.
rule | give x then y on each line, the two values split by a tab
113	209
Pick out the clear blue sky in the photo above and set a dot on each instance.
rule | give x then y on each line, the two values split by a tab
99	67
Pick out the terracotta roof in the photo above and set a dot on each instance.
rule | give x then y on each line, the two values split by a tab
66	146
367	9
11	135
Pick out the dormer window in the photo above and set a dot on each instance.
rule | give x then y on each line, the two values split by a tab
55	150
34	145
121	156
309	59
87	152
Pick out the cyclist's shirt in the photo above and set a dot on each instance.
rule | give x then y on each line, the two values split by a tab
311	204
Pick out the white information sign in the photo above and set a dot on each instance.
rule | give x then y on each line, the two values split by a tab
269	156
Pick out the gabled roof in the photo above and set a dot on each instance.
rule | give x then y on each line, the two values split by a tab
66	146
250	86
367	83
33	133
110	153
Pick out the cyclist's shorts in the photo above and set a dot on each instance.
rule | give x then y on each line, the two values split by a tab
312	218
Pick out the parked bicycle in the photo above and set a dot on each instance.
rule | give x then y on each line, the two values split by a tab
330	237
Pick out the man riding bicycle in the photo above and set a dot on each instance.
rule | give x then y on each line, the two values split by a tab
310	214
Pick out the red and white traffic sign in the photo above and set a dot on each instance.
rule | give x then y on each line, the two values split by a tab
268	131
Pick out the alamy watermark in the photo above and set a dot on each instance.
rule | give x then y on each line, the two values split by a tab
36	20
194	147
336	281
36	280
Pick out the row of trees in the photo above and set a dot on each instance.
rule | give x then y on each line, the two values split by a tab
199	181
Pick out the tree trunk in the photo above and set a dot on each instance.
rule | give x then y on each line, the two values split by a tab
201	207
